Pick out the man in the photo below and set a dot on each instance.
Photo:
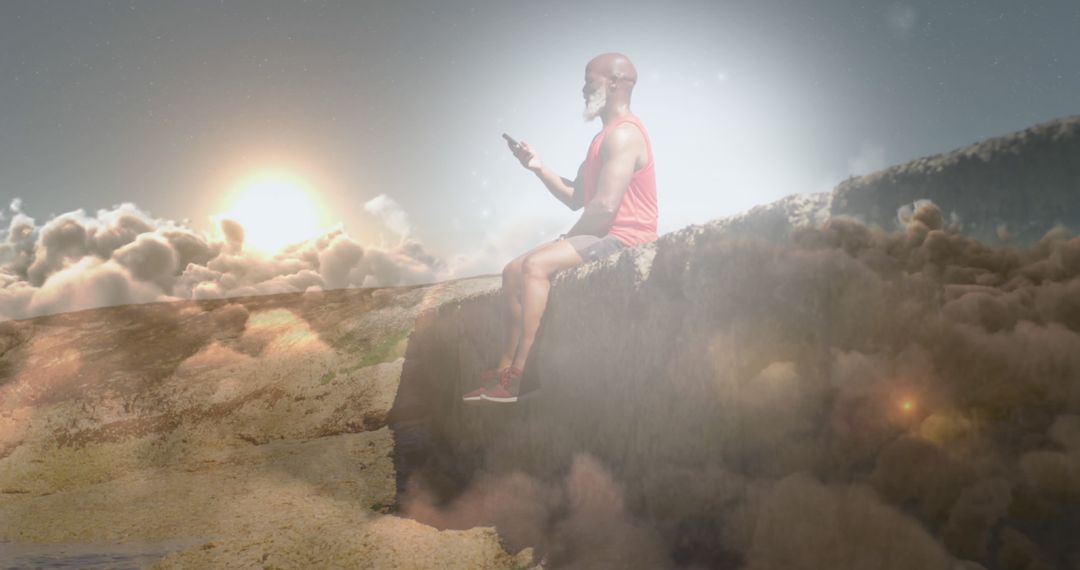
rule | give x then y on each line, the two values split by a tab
615	184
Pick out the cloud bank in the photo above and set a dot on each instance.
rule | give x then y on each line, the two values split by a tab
123	255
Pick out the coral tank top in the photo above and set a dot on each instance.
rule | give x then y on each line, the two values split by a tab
635	220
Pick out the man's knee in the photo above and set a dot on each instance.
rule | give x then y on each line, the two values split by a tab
512	270
533	267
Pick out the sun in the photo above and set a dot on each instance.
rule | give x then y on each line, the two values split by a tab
276	209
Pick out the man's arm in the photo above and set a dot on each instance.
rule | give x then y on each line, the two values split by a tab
562	189
577	201
619	155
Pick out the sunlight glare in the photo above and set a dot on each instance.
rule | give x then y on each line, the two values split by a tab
275	210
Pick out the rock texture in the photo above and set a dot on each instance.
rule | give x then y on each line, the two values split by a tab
1009	189
850	399
254	426
791	387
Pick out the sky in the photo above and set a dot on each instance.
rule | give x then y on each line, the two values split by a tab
388	114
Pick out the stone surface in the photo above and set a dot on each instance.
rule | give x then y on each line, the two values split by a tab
254	426
710	372
1008	189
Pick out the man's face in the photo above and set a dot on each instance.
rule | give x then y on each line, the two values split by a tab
595	94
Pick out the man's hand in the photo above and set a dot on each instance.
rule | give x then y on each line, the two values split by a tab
563	189
525	154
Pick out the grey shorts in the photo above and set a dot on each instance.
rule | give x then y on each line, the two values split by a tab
591	248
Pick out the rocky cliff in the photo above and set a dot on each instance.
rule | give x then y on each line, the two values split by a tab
795	387
239	433
1007	190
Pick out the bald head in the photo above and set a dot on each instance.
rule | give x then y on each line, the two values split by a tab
613	66
609	81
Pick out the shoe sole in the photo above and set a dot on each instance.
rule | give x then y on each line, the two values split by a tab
519	398
500	400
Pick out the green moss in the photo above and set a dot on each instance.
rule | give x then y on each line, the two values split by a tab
391	348
349	342
383	508
328	377
388	349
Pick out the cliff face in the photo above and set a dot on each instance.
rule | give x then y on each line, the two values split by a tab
247	432
1005	189
771	392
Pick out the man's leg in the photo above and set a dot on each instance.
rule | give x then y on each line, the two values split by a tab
511	290
512	281
536	272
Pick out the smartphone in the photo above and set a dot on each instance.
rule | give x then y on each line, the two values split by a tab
511	139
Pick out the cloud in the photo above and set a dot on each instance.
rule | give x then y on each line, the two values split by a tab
391	214
382	267
580	523
122	255
61	239
150	258
134	257
234	234
15	297
505	241
17	251
89	283
338	260
189	247
599	531
803	524
112	229
969	529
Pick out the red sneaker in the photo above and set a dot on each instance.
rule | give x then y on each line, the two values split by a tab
488	380
508	387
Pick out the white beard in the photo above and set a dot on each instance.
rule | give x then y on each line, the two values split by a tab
595	104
